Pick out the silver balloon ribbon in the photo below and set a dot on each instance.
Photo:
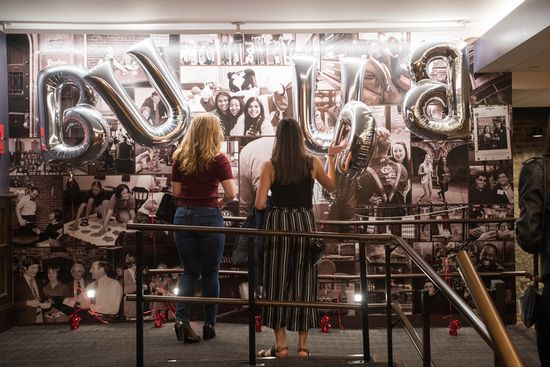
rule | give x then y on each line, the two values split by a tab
303	91
111	90
452	95
357	125
54	122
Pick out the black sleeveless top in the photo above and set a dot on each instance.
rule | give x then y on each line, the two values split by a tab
297	195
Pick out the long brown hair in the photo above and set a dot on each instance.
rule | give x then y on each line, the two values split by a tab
200	145
289	157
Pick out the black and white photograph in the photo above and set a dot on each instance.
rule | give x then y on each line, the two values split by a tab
492	137
247	83
108	49
386	77
439	171
26	159
491	183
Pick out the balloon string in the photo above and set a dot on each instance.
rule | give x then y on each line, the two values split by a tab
78	288
171	309
73	245
339	315
153	222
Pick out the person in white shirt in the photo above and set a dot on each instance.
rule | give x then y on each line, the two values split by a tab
251	160
26	211
107	292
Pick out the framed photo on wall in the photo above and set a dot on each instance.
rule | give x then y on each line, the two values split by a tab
491	133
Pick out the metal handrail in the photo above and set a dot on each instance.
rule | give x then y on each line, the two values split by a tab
259	302
500	274
507	353
411	332
397	221
385	239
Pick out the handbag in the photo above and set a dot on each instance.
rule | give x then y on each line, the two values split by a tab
166	208
317	250
528	303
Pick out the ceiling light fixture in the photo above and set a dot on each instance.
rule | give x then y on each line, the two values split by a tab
238	36
536	132
251	26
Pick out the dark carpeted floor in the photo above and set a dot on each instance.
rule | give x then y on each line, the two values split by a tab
114	345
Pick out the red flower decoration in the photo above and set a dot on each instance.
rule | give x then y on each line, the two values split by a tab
258	324
75	321
454	325
159	319
325	324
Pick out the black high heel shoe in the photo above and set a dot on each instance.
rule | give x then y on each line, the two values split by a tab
208	331
185	332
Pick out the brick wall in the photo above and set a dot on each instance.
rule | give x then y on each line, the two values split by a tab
98	43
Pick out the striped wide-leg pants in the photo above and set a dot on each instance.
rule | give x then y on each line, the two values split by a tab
288	270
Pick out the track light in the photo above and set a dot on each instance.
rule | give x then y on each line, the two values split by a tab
537	132
238	36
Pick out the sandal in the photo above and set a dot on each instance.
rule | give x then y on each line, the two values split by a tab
84	222
272	352
303	350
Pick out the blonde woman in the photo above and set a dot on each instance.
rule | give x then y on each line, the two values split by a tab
198	170
425	172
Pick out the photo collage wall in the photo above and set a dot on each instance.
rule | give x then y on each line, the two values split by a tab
248	85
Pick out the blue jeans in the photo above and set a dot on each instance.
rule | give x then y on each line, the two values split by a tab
200	254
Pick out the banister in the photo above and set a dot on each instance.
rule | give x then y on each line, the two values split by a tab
459	303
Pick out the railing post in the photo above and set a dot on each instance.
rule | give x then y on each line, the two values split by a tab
426	347
497	290
364	300
139	298
502	345
389	327
251	263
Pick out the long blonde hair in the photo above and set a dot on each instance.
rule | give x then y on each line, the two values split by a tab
200	145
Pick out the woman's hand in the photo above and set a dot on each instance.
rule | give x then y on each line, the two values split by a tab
335	149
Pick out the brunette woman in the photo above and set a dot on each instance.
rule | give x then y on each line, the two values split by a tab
235	111
55	288
288	270
443	176
253	121
222	111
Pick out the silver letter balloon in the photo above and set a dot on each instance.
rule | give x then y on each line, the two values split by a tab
427	94
303	91
56	123
103	79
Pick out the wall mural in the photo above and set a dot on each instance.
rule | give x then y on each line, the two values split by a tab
415	149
